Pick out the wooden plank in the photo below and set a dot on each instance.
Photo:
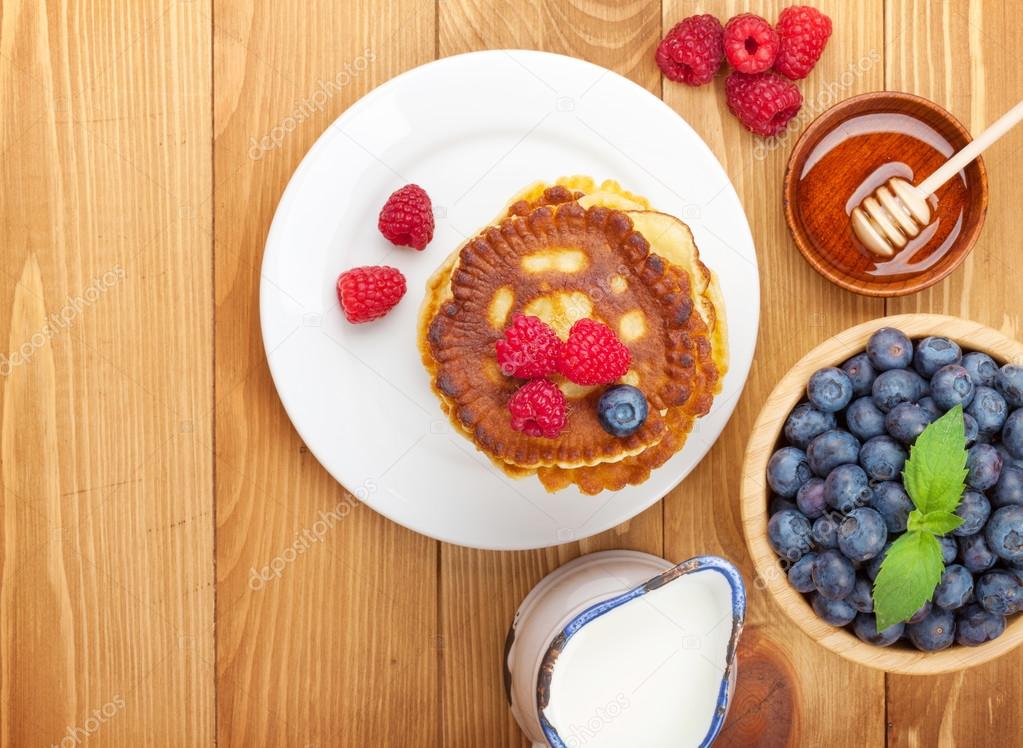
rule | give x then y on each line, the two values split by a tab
341	647
106	563
970	69
480	590
787	684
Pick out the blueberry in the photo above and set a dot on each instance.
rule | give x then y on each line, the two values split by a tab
925	610
936	631
928	404
974	508
882	458
861	373
906	421
889	348
787	471
951	386
874	565
974	626
990	410
825	532
864	419
847	487
970	429
949	550
893	503
1009	382
1012	434
982	368
621	410
805	422
862	534
934	352
975	554
954	589
1004	533
833	575
778	504
829	389
831	449
788	532
1000	593
865	627
799	573
1009	488
835	612
810	498
860	597
1007	457
897	386
985	466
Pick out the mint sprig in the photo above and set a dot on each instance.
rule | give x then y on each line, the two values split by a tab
935	473
935	479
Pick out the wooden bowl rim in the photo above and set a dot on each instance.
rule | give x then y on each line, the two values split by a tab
964	244
755	496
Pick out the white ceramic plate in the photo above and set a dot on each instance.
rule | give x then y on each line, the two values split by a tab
472	130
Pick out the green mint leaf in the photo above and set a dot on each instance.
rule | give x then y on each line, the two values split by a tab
911	570
935	473
938	522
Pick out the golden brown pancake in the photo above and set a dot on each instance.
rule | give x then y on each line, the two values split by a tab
561	262
594	461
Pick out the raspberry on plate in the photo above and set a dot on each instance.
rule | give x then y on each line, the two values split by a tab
367	293
751	43
407	217
538	409
593	354
803	31
692	51
529	348
764	103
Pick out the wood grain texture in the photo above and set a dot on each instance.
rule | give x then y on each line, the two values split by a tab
106	529
480	590
144	145
336	643
974	77
798	308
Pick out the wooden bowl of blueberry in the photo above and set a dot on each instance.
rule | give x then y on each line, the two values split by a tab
883	494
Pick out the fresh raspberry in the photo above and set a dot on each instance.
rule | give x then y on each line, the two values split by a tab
692	51
803	32
529	348
751	43
538	409
367	293
593	354
407	217
764	103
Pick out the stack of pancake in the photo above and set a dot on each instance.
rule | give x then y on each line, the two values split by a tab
565	252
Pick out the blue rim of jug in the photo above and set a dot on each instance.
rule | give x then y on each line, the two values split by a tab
695	564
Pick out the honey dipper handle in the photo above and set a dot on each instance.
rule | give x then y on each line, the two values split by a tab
973	149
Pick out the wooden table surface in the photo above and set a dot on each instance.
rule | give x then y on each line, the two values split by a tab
148	467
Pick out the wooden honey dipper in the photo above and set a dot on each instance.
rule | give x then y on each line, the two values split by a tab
897	211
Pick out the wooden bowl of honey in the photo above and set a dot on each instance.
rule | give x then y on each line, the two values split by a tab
852	149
